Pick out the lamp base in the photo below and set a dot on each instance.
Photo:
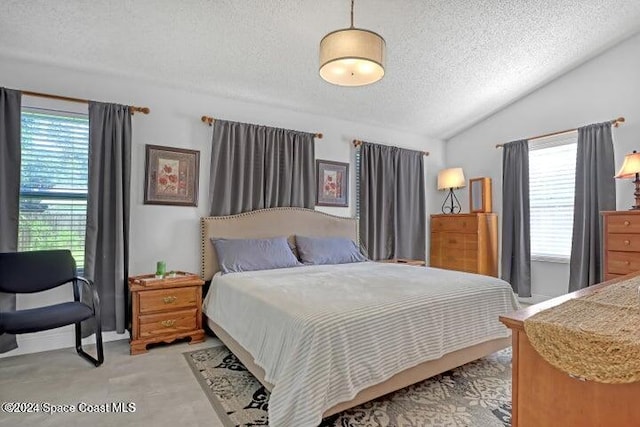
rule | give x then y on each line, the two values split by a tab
636	194
452	208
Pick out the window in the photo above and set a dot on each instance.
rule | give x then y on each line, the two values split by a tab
53	181
552	170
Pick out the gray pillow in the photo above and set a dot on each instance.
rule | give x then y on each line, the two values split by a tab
328	250
235	255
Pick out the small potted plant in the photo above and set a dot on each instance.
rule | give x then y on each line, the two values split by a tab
171	274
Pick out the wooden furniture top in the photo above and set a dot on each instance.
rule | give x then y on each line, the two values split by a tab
146	283
619	212
458	215
515	320
418	262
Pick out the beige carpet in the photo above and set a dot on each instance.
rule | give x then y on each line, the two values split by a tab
476	394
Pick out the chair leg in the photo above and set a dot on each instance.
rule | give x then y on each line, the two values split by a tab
100	351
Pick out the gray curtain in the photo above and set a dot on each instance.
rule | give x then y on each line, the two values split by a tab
595	192
392	202
10	104
256	167
516	236
107	240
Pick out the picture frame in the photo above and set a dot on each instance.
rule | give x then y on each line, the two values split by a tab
171	176
480	199
332	183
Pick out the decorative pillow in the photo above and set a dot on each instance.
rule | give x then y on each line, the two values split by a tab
235	255
328	250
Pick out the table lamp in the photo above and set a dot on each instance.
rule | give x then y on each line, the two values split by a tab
450	179
631	169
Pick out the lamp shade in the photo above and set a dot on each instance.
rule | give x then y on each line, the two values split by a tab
451	178
630	166
352	57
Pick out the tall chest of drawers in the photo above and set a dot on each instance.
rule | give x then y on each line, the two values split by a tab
621	236
465	242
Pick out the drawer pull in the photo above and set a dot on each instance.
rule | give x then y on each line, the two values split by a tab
627	242
169	300
168	323
627	223
627	262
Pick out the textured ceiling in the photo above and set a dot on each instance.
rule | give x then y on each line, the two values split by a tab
449	63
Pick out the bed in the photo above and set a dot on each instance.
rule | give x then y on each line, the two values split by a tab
325	338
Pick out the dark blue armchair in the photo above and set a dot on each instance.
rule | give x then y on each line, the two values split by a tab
30	272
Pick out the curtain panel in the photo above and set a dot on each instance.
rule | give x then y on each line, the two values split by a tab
256	167
392	202
516	233
595	192
107	238
10	149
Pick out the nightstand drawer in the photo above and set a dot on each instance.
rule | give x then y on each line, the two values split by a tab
168	299
168	323
623	242
628	223
622	262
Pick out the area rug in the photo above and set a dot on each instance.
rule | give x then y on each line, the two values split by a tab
476	394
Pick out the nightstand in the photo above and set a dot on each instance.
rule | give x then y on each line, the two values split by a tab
165	310
415	262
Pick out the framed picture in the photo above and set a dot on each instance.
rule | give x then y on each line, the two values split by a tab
332	180
480	195
171	176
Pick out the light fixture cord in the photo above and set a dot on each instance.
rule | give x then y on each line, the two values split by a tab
352	13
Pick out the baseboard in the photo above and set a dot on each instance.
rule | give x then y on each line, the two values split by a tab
56	339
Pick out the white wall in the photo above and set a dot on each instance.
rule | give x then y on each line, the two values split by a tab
604	88
172	233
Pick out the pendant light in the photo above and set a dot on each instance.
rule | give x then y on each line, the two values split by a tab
352	56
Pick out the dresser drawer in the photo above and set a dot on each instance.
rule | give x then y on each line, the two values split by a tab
452	240
463	224
168	299
471	242
622	262
452	259
168	323
623	223
623	242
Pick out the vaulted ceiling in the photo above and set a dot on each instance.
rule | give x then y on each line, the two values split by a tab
449	63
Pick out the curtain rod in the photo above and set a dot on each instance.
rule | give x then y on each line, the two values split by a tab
357	143
615	122
133	108
209	120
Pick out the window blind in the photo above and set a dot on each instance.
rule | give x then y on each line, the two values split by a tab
53	181
552	170
358	183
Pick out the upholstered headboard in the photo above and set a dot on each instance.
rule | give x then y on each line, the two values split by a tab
271	222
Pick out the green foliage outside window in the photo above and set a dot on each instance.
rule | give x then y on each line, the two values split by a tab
53	181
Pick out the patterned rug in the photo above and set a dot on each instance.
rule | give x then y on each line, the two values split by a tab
476	394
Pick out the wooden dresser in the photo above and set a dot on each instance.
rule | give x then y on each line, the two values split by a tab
621	243
165	310
545	396
413	262
465	242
